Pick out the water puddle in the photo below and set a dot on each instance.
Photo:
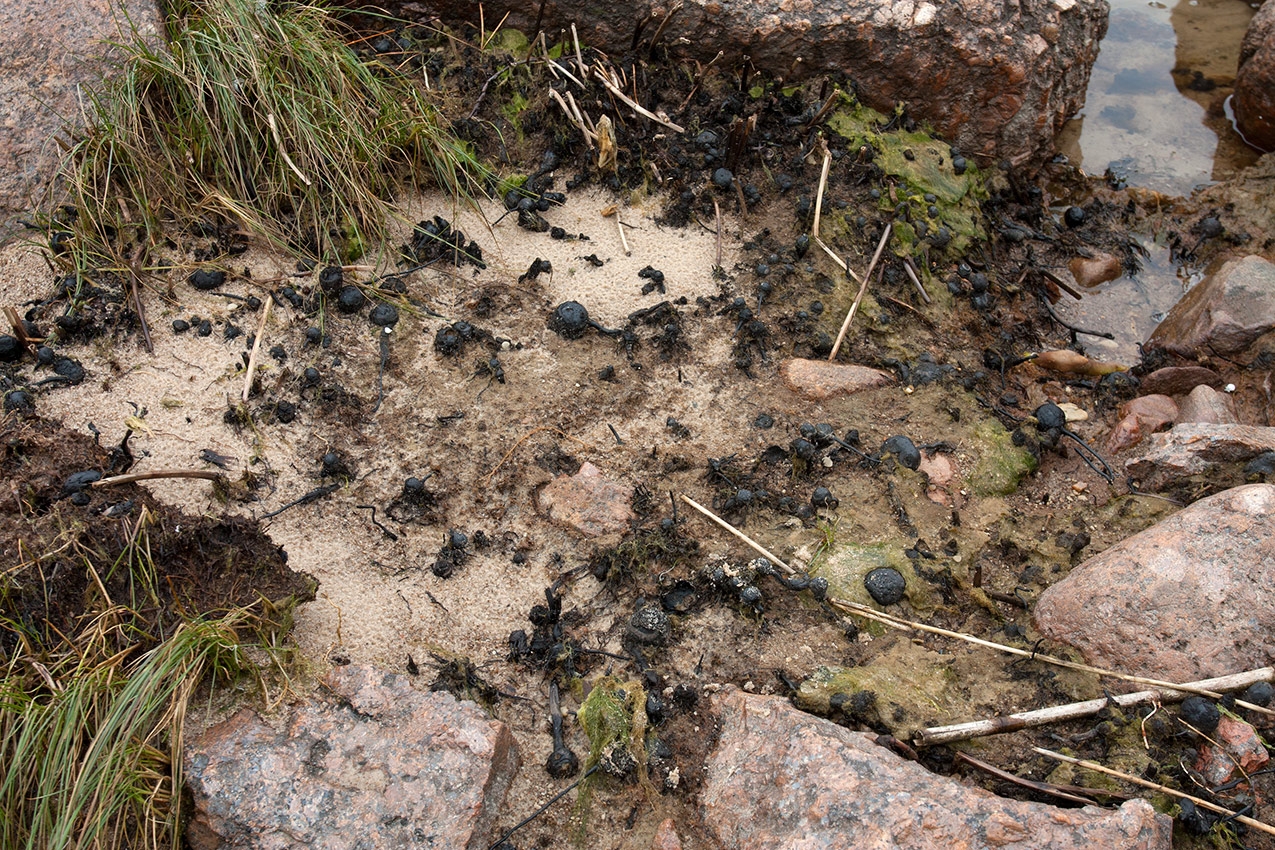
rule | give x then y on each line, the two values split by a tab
1156	108
1128	307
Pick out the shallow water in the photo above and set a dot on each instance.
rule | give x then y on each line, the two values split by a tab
1129	307
1155	111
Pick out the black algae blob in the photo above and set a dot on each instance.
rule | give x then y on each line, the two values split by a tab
206	279
885	585
350	299
1201	713
448	341
569	320
331	279
904	450
1050	416
1074	217
384	315
10	348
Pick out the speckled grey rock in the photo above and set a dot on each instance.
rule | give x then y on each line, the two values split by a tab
780	778
370	762
47	51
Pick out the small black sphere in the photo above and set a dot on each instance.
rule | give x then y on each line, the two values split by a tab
959	165
1210	227
45	355
1050	416
330	279
332	464
1201	713
569	320
313	335
10	348
413	486
885	584
310	377
206	279
180	326
1074	217
18	400
1259	693
722	178
350	299
823	498
384	315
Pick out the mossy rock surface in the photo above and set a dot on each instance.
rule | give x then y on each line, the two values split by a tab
911	684
847	564
920	164
1001	464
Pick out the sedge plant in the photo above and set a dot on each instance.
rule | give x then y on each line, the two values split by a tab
260	116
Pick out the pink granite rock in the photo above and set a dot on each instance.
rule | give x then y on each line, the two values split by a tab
1191	597
371	763
587	502
780	778
1197	448
1224	313
1205	404
996	80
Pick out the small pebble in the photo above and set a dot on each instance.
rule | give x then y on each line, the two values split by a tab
180	326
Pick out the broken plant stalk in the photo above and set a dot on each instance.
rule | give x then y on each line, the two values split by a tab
1155	786
863	287
902	624
130	477
256	349
1058	713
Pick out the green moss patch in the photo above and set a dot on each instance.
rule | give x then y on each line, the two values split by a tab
847	564
1001	464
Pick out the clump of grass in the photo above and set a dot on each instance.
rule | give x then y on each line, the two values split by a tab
257	115
90	743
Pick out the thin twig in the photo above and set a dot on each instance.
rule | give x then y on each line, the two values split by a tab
902	624
619	225
1071	711
1042	787
1073	328
840	262
20	330
633	104
863	287
256	349
131	477
1155	786
575	38
911	270
573	117
1062	284
823	183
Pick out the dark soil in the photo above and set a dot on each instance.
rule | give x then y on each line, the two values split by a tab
56	551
